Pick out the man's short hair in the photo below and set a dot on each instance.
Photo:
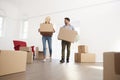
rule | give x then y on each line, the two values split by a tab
66	18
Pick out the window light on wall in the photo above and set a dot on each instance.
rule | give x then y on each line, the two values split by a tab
24	32
1	26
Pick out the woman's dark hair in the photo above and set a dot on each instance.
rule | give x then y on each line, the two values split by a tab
66	18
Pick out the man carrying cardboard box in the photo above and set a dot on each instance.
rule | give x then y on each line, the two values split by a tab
66	43
47	36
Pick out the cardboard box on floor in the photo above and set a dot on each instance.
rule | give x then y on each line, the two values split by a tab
82	49
82	57
77	57
111	64
117	63
29	57
26	48
39	54
67	35
29	54
12	61
88	57
46	28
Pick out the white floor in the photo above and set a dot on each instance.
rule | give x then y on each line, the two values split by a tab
56	71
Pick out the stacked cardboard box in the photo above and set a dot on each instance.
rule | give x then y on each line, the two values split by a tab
29	54
77	57
83	55
67	35
82	49
26	49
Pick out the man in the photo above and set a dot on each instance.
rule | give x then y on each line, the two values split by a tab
66	43
47	36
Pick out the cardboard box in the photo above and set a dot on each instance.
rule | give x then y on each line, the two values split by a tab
29	54
111	66
46	28
81	58
88	57
82	49
39	54
12	61
25	48
29	57
117	63
77	57
67	35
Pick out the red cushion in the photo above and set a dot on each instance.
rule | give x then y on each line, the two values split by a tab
18	44
17	47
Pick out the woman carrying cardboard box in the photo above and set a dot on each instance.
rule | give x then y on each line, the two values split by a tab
47	36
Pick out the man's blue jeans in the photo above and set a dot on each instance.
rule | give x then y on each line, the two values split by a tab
49	40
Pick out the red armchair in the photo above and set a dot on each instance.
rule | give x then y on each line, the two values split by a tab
18	44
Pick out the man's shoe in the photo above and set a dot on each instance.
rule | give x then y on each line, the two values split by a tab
62	61
67	60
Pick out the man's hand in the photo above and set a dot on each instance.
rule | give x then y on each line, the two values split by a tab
53	30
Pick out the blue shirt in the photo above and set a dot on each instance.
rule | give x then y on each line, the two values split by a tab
69	27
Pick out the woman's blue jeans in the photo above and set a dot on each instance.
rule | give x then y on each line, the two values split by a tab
49	40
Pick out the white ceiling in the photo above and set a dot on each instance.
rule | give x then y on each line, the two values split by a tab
41	7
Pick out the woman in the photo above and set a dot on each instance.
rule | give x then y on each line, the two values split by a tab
47	36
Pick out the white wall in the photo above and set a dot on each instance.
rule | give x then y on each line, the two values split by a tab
10	25
99	29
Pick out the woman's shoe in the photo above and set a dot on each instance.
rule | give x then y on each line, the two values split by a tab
44	60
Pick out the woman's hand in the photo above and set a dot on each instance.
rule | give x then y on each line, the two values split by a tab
39	30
